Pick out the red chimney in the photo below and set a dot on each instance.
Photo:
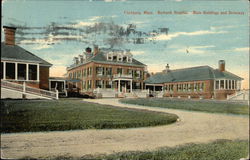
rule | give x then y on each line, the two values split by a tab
221	65
9	33
96	50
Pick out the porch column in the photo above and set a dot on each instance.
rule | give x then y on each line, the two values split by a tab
131	86
231	84
119	90
214	84
50	85
16	70
37	74
235	85
219	84
154	88
228	84
65	84
4	70
27	72
125	86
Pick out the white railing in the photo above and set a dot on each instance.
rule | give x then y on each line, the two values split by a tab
26	89
122	76
243	93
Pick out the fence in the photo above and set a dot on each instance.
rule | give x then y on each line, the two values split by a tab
26	89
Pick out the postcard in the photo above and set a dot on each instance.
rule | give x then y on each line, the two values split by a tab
123	79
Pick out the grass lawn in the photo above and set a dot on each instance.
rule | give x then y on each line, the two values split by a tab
218	150
206	106
40	115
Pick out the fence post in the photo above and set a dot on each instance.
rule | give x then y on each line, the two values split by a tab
57	94
24	87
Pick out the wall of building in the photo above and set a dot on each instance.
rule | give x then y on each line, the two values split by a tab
93	77
44	77
206	92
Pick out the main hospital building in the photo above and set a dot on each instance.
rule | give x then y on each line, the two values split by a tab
103	71
107	68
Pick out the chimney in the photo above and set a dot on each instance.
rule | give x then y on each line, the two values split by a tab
166	70
9	33
221	65
96	50
88	50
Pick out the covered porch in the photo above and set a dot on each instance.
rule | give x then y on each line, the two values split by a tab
123	83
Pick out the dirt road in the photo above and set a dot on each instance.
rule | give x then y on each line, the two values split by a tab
195	127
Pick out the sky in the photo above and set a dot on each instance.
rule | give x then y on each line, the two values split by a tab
180	33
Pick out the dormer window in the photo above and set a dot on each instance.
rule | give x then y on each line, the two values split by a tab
115	58
110	56
125	59
130	59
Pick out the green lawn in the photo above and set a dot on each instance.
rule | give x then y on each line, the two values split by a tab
206	106
218	150
40	115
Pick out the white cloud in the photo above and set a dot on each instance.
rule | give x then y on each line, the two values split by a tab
137	52
244	49
95	18
42	46
177	34
82	24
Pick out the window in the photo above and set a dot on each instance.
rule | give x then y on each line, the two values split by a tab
83	84
137	74
32	72
99	71
98	84
233	84
21	71
201	86
217	84
108	84
109	71
84	72
114	58
89	84
222	84
1	70
230	84
226	84
10	70
119	71
124	59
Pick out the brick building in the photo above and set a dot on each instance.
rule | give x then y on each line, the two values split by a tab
105	68
195	82
19	65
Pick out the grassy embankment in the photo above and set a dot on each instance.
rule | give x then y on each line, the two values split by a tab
32	116
204	106
217	150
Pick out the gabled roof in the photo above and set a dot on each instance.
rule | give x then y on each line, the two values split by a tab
191	74
17	53
101	58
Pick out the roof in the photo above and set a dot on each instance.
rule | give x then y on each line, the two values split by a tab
191	74
101	58
17	53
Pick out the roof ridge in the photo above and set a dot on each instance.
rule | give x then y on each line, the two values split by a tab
191	68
